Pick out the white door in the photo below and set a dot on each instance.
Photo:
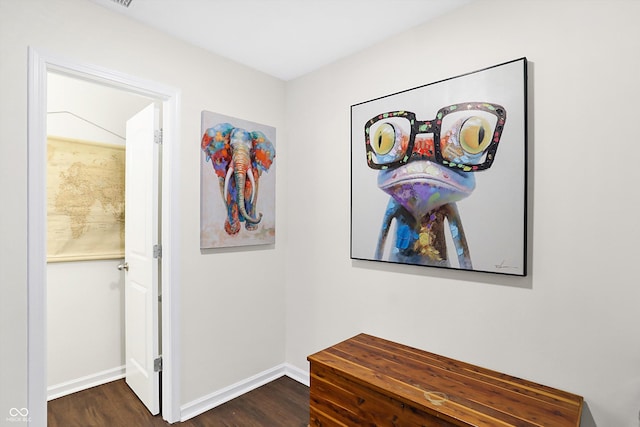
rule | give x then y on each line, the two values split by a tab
141	275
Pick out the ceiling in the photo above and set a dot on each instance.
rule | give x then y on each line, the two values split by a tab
283	38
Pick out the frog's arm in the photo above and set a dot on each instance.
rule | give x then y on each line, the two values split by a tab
389	214
458	236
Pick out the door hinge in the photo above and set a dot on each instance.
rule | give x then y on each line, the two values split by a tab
157	364
157	136
157	251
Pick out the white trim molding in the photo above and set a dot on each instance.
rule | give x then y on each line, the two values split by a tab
297	374
36	241
39	65
217	398
83	383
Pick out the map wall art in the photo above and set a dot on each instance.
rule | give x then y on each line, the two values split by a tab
85	200
439	172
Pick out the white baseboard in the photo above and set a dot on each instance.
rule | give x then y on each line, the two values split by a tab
83	383
226	394
297	374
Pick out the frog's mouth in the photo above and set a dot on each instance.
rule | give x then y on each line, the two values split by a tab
421	186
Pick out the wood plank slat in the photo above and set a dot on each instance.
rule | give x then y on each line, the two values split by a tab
454	365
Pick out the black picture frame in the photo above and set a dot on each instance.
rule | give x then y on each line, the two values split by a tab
439	173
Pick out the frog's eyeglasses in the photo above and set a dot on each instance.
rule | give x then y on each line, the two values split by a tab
465	137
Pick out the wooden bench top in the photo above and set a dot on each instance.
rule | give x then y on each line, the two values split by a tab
458	392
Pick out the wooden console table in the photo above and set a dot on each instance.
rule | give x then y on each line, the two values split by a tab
368	381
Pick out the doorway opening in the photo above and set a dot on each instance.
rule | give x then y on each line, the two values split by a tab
40	65
87	329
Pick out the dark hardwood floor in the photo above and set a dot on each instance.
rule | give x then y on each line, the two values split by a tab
280	403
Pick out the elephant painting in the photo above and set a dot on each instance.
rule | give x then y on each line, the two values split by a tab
239	157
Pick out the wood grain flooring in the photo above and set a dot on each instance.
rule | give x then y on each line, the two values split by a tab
281	403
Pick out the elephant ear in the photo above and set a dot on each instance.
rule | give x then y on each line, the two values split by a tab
215	144
263	151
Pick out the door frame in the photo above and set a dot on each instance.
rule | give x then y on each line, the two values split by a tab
39	64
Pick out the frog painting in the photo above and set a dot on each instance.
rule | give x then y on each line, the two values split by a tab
430	165
426	175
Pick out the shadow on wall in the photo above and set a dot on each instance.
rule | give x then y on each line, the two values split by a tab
586	420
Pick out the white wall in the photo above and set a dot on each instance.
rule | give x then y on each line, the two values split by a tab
85	299
232	302
574	321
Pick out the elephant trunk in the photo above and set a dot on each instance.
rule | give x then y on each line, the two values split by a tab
240	169
240	182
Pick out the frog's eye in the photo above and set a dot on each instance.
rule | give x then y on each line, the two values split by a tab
384	139
475	135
